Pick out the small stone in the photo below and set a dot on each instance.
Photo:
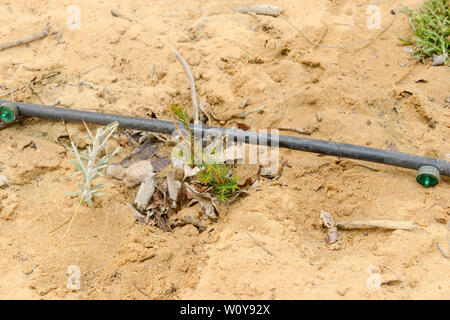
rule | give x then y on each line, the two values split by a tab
335	246
133	175
138	172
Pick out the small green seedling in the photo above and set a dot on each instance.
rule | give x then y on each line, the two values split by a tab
220	177
431	25
216	175
181	115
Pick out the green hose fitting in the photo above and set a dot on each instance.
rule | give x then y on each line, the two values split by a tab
428	176
8	112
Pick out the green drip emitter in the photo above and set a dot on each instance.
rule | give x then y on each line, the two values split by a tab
428	176
8	112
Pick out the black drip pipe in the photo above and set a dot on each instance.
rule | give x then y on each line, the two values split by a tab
387	157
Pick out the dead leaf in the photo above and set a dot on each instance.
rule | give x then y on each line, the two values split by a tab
175	182
159	162
190	171
206	201
143	152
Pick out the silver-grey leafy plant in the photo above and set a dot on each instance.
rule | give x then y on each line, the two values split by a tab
90	166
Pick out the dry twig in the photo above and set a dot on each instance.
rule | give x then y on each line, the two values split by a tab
261	9
259	243
316	44
212	113
77	75
87	84
362	164
300	131
378	224
243	115
442	251
448	243
117	14
36	36
202	106
192	83
399	278
140	290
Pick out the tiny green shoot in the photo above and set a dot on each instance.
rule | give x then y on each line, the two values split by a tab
216	175
220	177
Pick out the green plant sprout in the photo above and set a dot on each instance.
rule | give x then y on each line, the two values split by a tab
431	25
217	175
220	178
181	115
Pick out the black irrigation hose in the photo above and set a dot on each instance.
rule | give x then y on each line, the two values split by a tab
387	157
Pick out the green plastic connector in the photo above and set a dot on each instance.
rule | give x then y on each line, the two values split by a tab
428	176
8	112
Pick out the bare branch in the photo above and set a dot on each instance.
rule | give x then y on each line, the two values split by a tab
191	81
41	34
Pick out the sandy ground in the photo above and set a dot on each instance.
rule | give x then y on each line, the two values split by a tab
366	94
